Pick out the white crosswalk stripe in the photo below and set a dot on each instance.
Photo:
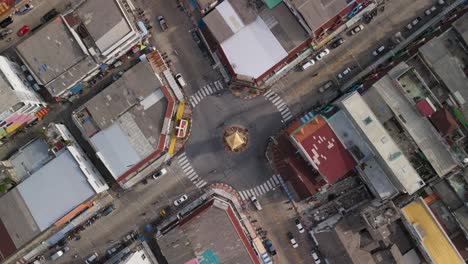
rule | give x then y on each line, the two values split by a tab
205	91
279	103
275	178
191	174
260	189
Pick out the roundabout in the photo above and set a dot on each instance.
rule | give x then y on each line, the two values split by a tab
229	138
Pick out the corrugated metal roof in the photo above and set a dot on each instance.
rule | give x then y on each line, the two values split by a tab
433	237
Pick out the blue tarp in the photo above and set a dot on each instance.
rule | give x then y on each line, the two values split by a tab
77	88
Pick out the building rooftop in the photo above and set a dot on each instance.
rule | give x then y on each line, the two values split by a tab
104	21
212	234
30	158
237	27
130	111
318	12
420	129
447	67
461	26
353	141
405	176
323	149
62	60
430	234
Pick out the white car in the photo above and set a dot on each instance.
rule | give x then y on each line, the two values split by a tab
255	202
322	54
292	240
378	51
357	29
180	80
308	64
182	199
92	258
24	9
299	225
159	173
344	73
315	256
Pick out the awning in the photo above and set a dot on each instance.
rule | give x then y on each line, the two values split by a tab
143	28
41	113
77	88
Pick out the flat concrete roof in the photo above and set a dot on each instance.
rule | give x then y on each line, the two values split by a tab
30	158
377	104
431	235
60	62
373	173
382	144
461	26
323	149
421	130
104	21
447	67
318	12
130	111
210	234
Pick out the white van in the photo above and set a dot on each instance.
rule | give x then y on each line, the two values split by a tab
307	64
180	80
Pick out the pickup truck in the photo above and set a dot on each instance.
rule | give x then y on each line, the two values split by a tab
162	23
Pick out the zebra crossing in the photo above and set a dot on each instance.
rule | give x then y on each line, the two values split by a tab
280	105
207	90
190	172
262	188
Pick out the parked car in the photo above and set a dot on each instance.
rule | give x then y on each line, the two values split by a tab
180	80
322	54
357	29
307	64
117	247
269	247
5	32
326	86
344	73
196	37
6	22
413	23
49	16
56	255
254	200
108	210
430	10
337	43
162	23
160	173
92	258
315	257
24	9
379	51
292	240
181	200
132	236
299	225
23	30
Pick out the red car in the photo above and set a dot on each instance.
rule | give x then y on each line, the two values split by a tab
23	30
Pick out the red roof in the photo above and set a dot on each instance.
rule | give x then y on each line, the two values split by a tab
324	149
425	107
444	122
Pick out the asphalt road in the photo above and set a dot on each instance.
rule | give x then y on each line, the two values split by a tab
300	88
206	150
